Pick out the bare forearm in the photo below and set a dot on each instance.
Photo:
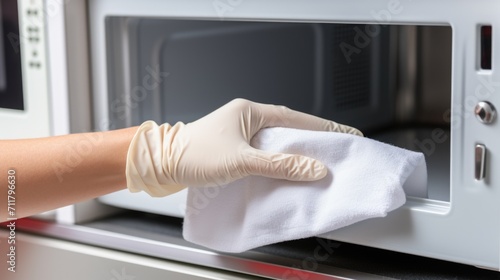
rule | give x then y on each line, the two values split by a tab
57	171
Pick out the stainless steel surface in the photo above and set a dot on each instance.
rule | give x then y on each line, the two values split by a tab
433	87
479	161
485	112
407	73
40	257
423	92
177	249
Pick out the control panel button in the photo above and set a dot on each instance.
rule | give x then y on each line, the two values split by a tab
479	162
485	112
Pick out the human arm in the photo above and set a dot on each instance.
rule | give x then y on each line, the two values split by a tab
57	171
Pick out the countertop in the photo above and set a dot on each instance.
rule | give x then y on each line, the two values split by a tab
311	258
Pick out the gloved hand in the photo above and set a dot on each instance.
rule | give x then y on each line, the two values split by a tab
215	150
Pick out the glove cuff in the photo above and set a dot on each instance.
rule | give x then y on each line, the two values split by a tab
144	168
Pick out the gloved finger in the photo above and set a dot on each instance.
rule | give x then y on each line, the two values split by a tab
283	166
282	116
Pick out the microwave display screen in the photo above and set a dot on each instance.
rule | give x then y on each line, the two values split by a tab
11	93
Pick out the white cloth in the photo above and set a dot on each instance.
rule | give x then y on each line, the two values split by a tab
365	180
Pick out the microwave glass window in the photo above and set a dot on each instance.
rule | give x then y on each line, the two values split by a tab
392	82
11	94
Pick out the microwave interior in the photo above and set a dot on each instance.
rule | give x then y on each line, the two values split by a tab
393	82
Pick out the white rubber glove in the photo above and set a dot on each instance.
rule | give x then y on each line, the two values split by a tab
215	150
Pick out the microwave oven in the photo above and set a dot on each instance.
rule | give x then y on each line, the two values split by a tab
22	58
417	74
44	79
400	71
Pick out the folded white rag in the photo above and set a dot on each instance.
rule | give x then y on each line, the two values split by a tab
365	180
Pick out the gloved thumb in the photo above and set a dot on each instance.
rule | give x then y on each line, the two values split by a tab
283	166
